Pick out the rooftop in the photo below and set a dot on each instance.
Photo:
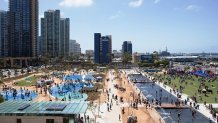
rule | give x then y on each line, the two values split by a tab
48	108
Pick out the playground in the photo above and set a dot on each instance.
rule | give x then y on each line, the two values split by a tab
71	88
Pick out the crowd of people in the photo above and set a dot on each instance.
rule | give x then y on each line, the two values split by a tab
10	93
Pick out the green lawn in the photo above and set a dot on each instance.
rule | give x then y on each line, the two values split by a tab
216	110
192	87
28	81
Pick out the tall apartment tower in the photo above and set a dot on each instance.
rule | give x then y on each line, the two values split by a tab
23	28
50	33
3	33
102	48
55	33
64	36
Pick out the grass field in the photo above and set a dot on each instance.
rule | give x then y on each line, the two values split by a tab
28	81
191	88
216	110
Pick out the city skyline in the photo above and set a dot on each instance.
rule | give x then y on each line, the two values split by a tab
182	26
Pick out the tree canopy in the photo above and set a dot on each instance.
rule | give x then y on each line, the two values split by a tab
127	58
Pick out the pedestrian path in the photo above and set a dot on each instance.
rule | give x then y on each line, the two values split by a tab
111	116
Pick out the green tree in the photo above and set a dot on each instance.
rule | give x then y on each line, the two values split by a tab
155	56
1	99
127	58
186	68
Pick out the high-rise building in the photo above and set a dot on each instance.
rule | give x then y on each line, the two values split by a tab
55	33
74	48
105	49
102	48
50	33
3	34
97	42
23	28
127	47
39	46
64	36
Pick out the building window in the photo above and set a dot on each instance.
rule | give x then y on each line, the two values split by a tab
49	120
19	121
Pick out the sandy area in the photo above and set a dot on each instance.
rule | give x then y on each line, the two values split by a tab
143	115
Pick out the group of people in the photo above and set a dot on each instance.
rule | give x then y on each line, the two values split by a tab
12	93
184	78
212	111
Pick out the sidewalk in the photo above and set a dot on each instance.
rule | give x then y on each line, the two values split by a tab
113	115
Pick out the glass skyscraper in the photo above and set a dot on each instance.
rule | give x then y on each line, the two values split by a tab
97	40
127	47
102	48
3	33
23	28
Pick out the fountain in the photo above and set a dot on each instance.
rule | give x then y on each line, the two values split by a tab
18	95
70	90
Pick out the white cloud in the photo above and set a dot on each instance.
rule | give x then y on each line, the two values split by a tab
156	1
136	3
115	16
6	1
192	8
75	3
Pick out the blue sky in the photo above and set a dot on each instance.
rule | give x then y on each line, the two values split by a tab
181	25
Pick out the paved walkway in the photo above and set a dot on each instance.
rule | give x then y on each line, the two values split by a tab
113	115
106	116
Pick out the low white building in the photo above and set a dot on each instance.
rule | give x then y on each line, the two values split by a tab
41	112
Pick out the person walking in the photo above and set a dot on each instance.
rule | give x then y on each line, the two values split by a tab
119	117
